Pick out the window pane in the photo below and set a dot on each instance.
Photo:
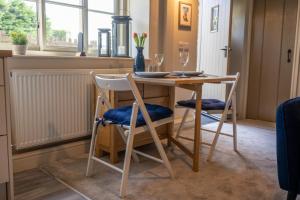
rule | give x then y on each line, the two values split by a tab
72	2
62	30
18	16
102	5
32	37
96	21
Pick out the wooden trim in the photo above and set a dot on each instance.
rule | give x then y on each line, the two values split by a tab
34	159
295	89
4	165
229	37
1	72
3	120
5	53
9	129
243	91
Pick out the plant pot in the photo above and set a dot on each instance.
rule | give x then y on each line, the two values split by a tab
139	65
19	49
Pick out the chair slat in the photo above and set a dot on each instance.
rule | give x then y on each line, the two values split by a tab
113	83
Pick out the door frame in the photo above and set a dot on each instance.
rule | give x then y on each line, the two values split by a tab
295	88
244	83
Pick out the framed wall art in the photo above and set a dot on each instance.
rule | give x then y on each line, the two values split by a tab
185	16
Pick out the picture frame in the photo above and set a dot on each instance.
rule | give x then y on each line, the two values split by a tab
214	21
185	16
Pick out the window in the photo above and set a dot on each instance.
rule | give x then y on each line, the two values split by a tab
61	30
96	20
18	15
55	24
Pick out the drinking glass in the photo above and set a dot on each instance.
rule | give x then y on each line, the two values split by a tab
159	59
150	68
184	57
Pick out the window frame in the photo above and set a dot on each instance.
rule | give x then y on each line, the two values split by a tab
37	46
41	24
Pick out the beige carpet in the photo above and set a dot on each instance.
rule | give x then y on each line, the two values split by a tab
249	175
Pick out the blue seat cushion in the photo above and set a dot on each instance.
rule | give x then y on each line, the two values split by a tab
207	104
122	115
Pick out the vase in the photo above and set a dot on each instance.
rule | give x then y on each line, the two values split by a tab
139	65
19	49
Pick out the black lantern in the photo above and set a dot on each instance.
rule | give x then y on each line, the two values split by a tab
121	31
104	42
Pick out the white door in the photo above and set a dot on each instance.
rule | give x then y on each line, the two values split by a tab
213	44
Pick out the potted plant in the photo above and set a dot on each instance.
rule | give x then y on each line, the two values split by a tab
139	40
19	40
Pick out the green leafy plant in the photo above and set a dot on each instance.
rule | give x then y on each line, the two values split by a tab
19	38
16	16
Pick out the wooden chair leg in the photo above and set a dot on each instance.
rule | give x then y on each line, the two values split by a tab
94	137
215	140
186	113
129	149
126	167
152	130
161	151
92	150
234	124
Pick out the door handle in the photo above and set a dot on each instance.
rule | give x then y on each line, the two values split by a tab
226	50
289	60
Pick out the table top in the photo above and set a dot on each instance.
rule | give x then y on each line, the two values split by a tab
177	81
174	81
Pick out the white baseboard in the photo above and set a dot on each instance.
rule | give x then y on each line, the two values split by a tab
37	158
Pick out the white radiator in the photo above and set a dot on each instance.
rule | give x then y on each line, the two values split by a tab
50	106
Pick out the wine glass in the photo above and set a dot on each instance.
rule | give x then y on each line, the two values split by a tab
184	58
159	59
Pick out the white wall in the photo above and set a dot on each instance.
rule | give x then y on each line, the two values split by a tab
140	14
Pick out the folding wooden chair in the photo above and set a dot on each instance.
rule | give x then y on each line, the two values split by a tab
213	107
129	120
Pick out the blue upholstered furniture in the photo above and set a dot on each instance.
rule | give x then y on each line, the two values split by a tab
207	104
122	115
288	146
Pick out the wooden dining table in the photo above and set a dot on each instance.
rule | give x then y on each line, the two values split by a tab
193	84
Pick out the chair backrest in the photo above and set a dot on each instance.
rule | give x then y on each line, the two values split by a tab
117	83
111	82
120	83
232	89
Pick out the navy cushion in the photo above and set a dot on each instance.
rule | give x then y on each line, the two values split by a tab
122	115
207	104
288	144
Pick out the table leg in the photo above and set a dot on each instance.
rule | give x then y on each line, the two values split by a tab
197	133
172	107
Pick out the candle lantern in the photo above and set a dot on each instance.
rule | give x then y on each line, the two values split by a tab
121	32
104	38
